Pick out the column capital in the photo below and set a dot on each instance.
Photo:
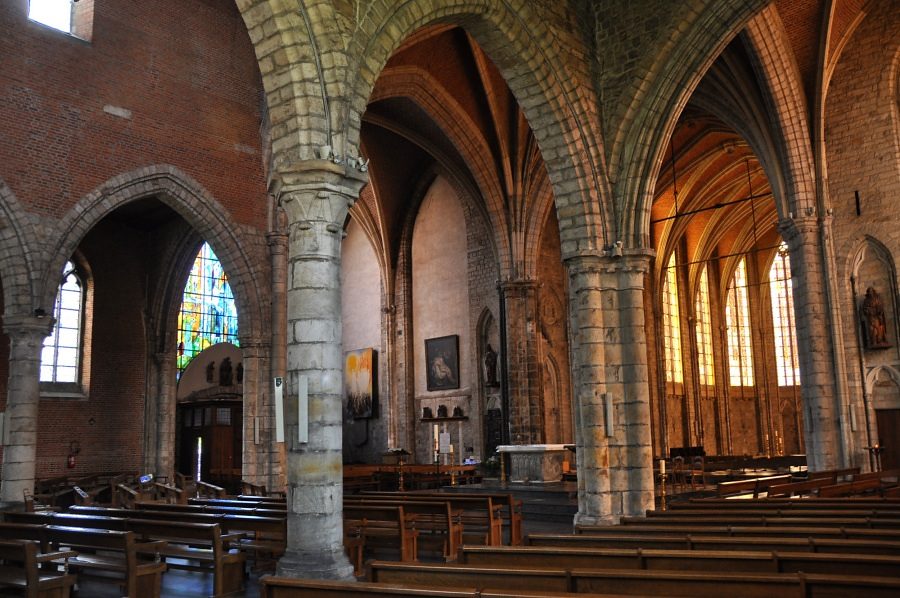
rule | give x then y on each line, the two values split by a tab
794	230
19	326
313	191
636	260
277	242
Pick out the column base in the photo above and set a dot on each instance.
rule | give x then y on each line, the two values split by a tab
322	564
582	519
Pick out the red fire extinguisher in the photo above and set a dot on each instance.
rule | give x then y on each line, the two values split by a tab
70	461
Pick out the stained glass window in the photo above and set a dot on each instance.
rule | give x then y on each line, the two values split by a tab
672	325
61	354
208	314
782	294
704	332
737	328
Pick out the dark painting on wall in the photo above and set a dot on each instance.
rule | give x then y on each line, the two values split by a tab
361	382
442	361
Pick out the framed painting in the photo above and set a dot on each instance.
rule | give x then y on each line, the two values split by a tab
361	382
442	362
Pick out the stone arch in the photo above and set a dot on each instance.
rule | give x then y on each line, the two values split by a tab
649	120
18	264
193	203
880	374
519	41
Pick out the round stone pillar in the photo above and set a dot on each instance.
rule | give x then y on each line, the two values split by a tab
316	196
818	394
26	337
611	386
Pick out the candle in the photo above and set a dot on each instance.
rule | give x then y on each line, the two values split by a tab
435	436
662	466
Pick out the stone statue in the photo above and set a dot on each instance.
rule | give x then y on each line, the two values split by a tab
874	321
211	371
225	372
490	367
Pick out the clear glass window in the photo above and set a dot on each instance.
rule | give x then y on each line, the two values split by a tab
782	294
60	355
737	329
672	325
704	332
53	13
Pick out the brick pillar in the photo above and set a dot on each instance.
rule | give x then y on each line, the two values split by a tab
255	457
278	251
610	376
26	337
821	414
523	367
316	196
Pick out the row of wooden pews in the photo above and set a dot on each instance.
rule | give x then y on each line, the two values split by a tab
133	547
807	548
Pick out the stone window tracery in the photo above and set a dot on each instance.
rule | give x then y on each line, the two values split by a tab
781	290
705	365
672	325
737	329
61	353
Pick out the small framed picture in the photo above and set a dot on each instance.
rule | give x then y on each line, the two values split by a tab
442	362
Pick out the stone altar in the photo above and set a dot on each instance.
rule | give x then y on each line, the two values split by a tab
535	463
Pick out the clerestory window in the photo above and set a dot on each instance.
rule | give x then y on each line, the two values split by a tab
208	314
782	294
74	17
672	325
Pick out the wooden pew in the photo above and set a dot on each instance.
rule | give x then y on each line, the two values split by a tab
480	514
116	552
647	582
239	503
20	570
218	509
679	560
437	522
284	587
751	510
756	486
764	520
849	502
202	545
890	535
511	513
724	542
364	523
210	490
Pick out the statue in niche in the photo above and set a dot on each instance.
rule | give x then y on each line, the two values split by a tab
874	321
427	413
240	373
225	372
211	371
490	367
457	411
442	411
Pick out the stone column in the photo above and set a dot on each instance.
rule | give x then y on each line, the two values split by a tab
163	424
610	377
255	458
316	196
278	251
26	337
821	413
523	367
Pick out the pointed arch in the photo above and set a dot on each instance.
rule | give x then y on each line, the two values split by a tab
18	256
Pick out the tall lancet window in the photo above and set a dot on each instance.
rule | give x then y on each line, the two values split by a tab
208	314
782	294
61	354
672	325
705	364
737	329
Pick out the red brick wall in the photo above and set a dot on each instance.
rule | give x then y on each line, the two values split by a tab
187	76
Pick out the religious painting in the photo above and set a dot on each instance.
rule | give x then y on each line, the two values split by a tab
442	362
360	382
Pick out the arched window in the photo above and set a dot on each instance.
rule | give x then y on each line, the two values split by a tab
782	294
672	325
208	314
704	332
61	354
737	327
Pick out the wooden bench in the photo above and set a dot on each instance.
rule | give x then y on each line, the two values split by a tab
812	502
116	552
218	509
437	523
755	486
679	560
510	510
364	522
243	503
765	520
724	542
481	518
646	582
210	490
202	545
20	570
891	535
752	511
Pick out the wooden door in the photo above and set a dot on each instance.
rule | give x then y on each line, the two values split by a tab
888	424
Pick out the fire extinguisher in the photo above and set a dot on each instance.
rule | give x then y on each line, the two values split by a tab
74	449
